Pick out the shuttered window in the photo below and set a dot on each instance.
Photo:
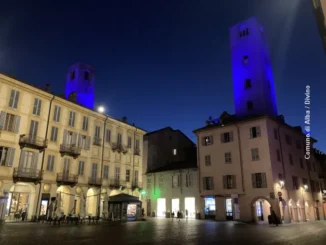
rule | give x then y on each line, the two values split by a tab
37	107
14	98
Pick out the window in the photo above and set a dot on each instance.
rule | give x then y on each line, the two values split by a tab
288	139
275	134
148	183
244	32
295	183
9	122
298	144
127	175
94	170
72	75
314	166
254	154
6	156
278	154
56	113
161	181
208	183
137	144
226	137
207	160
188	180
81	166
85	123
14	97
308	165
106	172
301	163
207	140
280	177
54	134
37	107
86	75
108	136
174	152
227	157
97	131
313	186
229	182
50	163
304	181
33	128
247	83
254	132
72	116
259	180
175	181
290	159
136	177
119	138
28	160
250	105
117	173
245	59
129	142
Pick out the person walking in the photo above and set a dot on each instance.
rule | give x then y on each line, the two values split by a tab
274	218
172	216
187	214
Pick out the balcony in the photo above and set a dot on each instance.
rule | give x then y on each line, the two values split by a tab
32	141
322	175
118	147
96	182
70	150
67	179
97	141
136	185
137	151
27	175
117	184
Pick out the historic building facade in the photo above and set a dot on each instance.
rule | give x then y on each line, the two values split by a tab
54	147
319	7
171	173
253	162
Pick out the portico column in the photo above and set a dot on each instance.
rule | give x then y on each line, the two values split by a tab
286	213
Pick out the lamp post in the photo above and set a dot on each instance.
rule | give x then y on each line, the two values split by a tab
101	109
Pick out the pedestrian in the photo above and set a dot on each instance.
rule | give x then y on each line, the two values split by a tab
274	218
179	215
186	214
172	215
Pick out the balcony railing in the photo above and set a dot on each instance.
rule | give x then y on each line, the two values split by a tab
70	150
32	141
136	184
119	147
67	179
137	151
95	181
27	175
97	141
117	183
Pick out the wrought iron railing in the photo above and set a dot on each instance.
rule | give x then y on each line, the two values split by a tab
97	141
94	181
33	140
28	173
137	151
136	184
117	182
70	149
67	178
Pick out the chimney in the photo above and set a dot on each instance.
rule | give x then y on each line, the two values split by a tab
73	97
47	87
124	119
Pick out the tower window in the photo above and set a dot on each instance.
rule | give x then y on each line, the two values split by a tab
245	59
247	83
86	75
72	75
244	32
250	105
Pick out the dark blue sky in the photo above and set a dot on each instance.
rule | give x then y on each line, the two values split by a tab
165	63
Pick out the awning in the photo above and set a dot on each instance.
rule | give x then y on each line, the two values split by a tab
125	198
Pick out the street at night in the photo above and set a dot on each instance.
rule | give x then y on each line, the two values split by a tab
163	231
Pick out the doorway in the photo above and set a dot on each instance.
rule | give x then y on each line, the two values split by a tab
190	206
161	207
175	206
210	208
229	209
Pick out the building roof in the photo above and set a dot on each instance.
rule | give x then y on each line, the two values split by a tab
63	97
175	166
169	129
228	120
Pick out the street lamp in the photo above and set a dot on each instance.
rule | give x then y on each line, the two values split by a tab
101	109
282	183
305	187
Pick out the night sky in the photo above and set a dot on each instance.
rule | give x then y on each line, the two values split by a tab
165	63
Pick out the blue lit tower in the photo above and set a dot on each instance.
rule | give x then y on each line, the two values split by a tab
80	84
253	84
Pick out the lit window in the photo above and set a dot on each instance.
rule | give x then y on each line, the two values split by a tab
175	152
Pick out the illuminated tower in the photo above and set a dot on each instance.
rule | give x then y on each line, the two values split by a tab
80	84
253	84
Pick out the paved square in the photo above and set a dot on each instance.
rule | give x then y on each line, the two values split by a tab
163	231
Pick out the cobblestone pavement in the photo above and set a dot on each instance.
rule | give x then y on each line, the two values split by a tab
163	231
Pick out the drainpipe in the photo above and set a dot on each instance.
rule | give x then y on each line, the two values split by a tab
282	161
241	160
102	165
43	156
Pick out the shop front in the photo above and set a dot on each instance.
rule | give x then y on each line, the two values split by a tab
124	207
210	207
